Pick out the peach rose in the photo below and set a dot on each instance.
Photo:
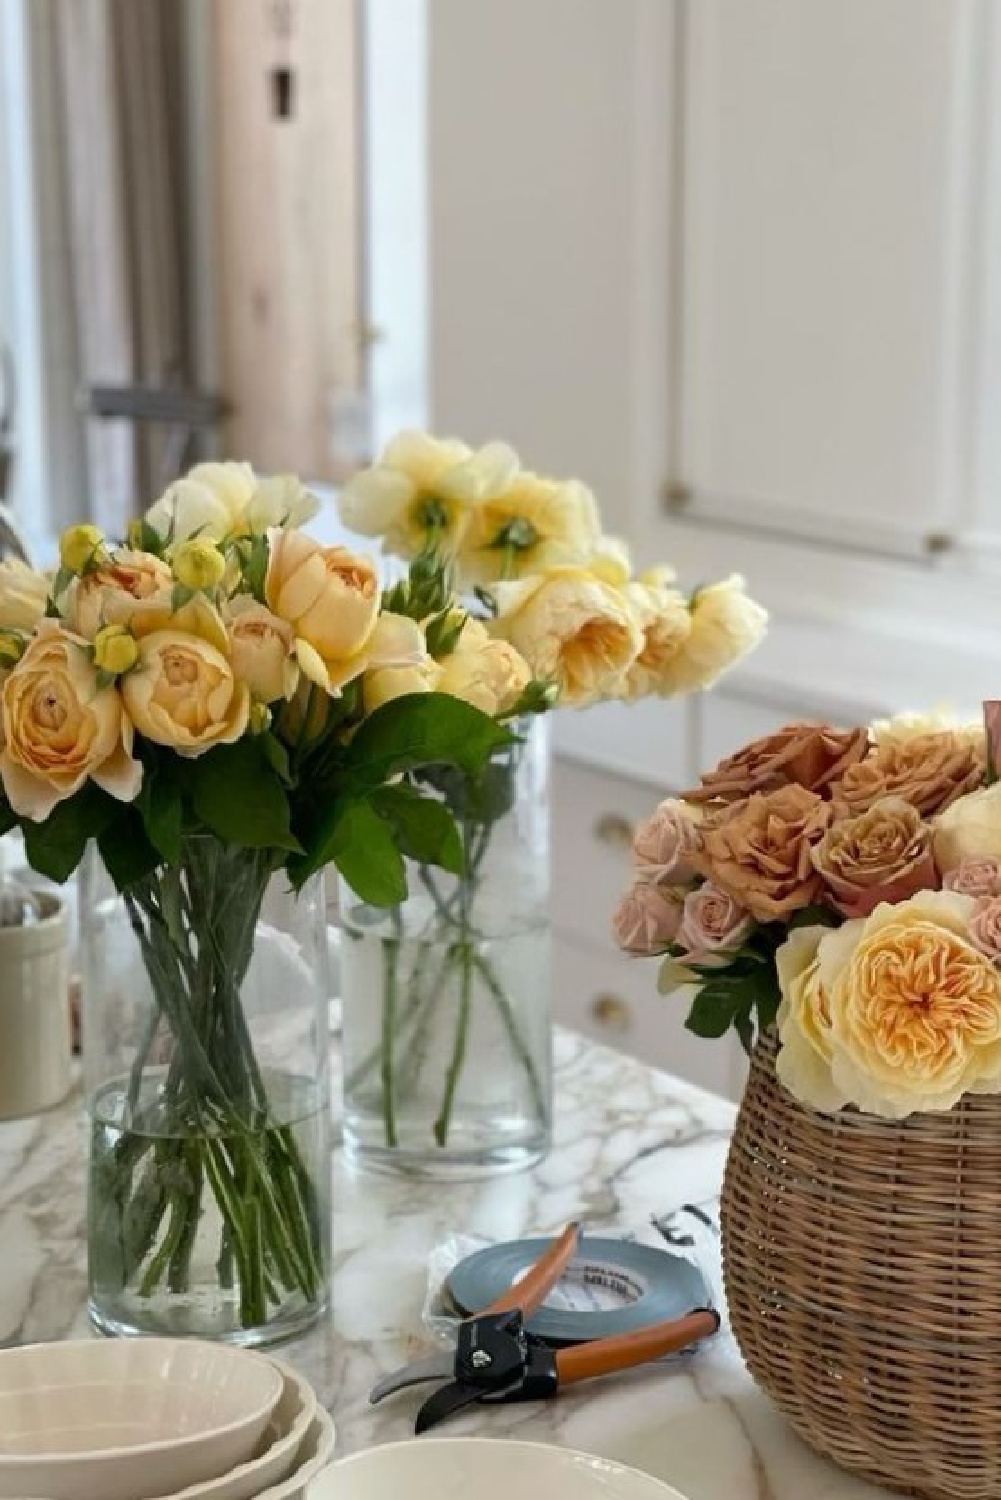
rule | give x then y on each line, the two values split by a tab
882	855
712	923
666	622
262	650
980	875
60	727
915	1007
759	851
386	683
183	694
985	927
662	845
804	1060
482	670
647	920
810	755
726	626
928	770
110	594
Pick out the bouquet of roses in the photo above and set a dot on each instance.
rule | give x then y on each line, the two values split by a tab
844	886
208	702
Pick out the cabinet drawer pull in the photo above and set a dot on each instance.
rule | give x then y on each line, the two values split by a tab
614	830
612	1012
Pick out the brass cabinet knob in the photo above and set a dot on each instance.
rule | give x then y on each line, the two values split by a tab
612	1012
614	830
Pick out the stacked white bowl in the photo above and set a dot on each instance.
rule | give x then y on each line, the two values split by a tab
156	1419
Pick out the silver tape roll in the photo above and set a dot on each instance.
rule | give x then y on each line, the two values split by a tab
610	1287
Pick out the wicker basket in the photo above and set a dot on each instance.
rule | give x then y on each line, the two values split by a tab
863	1274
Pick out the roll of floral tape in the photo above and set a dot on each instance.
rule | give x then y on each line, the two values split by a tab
610	1287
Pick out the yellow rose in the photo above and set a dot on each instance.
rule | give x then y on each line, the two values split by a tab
915	1007
910	726
198	616
281	500
110	593
726	625
262	650
198	564
115	650
531	525
23	595
970	828
485	671
570	627
60	727
210	502
804	1021
666	622
387	683
79	547
422	490
183	694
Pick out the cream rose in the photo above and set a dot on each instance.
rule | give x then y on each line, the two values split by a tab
528	527
23	595
726	626
422	490
110	594
386	683
572	628
915	1007
666	622
909	726
803	1064
280	500
210	501
485	671
969	829
262	650
60	727
183	694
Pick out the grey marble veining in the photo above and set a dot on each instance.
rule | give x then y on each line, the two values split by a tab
629	1143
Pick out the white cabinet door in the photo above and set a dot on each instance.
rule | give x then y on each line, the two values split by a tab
830	170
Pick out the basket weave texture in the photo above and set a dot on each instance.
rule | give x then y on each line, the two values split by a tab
862	1260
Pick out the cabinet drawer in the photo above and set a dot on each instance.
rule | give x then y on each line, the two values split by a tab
727	723
593	819
614	1000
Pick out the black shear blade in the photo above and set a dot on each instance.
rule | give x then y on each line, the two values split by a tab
446	1401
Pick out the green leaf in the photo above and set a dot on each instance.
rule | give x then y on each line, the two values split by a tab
421	729
127	853
714	1010
424	829
161	806
180	596
276	755
482	799
255	566
811	916
8	817
55	847
363	847
239	797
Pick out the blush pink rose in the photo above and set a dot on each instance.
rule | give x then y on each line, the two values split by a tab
979	875
647	920
713	922
985	927
662	845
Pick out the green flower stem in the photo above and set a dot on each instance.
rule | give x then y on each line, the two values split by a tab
390	986
522	1051
444	1120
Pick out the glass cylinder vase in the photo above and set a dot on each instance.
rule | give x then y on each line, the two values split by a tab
446	997
206	1060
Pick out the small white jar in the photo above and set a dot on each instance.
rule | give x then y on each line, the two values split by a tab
35	1027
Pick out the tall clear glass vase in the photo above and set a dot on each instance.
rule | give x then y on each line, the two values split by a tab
206	1057
447	1025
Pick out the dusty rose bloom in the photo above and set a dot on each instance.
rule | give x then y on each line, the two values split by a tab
807	755
662	845
985	927
882	855
980	875
647	919
929	770
759	851
712	922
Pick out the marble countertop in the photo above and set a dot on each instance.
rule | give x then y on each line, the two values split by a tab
629	1143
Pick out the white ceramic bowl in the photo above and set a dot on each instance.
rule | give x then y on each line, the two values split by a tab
281	1451
128	1419
489	1468
317	1451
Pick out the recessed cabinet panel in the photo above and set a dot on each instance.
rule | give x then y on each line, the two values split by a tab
828	160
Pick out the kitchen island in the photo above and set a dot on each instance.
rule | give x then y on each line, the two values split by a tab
630	1143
